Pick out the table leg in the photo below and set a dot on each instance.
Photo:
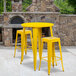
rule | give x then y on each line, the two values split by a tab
39	40
35	31
25	44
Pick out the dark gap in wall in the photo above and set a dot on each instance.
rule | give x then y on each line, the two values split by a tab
14	35
45	32
0	34
16	0
17	20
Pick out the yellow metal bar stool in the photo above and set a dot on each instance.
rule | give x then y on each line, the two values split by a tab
51	51
20	32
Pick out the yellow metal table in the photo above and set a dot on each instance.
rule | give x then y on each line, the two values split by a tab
37	33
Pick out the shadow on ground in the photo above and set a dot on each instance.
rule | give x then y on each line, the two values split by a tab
44	66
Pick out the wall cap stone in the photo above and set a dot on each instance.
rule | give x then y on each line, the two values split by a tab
1	14
13	26
0	25
32	12
68	15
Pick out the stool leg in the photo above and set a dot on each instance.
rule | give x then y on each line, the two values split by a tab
49	56
61	55
53	49
55	58
22	48
25	44
41	55
15	44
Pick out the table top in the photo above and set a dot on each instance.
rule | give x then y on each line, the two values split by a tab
37	24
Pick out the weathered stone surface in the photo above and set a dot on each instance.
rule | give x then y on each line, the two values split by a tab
7	43
42	11
1	19
67	29
16	6
65	26
7	37
43	6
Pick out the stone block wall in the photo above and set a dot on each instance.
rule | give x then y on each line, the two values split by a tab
7	36
43	6
27	17
17	6
1	19
67	29
64	25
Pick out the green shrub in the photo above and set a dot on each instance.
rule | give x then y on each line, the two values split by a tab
8	6
64	7
73	4
1	6
25	4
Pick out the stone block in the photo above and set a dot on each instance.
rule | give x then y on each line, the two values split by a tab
7	43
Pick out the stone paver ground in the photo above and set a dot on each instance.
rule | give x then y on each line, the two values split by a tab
10	66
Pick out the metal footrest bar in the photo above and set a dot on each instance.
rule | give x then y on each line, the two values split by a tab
58	59
44	59
54	57
19	47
